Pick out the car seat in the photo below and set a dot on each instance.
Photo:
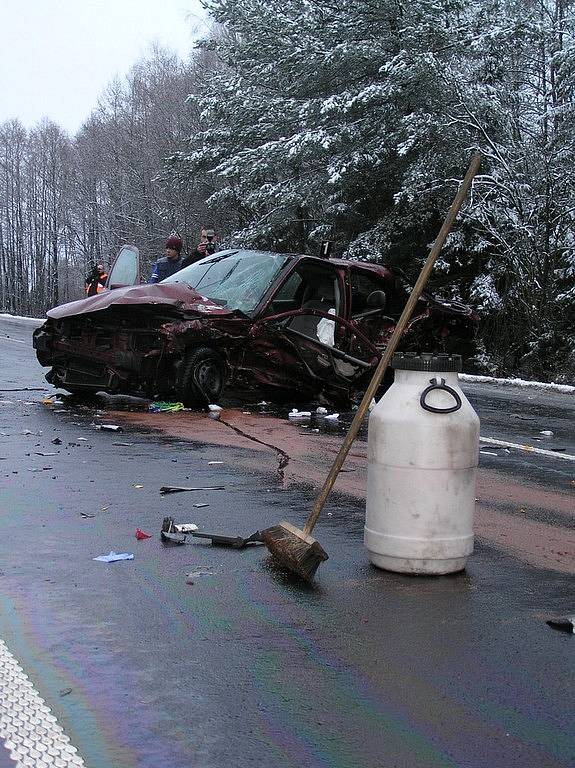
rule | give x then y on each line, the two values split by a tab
317	295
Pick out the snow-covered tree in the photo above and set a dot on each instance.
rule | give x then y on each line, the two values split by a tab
314	120
354	122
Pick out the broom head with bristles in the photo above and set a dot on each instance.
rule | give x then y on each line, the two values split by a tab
297	551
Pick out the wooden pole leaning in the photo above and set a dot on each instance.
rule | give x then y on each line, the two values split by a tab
296	549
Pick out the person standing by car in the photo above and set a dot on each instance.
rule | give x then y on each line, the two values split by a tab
96	280
206	246
170	263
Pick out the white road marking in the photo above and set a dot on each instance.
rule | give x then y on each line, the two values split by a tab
527	448
28	728
16	341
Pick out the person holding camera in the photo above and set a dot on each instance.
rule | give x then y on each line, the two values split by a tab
206	246
170	263
96	280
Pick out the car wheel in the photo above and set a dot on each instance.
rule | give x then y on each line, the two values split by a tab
203	377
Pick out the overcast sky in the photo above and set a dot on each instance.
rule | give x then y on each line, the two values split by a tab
56	56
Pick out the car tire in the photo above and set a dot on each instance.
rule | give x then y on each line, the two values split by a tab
203	377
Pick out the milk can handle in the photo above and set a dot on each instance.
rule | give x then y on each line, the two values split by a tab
441	385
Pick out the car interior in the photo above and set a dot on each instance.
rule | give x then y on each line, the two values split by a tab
320	292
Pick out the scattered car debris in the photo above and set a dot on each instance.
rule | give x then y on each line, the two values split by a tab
169	534
165	489
137	485
295	415
215	462
321	410
29	432
558	450
39	453
82	439
200	505
164	407
110	428
125	445
332	417
56	441
192	575
237	542
489	453
112	557
185	527
563	623
65	691
87	515
141	535
546	432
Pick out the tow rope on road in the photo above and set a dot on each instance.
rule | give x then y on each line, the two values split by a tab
28	728
527	448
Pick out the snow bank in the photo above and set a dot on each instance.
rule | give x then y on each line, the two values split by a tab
566	389
28	320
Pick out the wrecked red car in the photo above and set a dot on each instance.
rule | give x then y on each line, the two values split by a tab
292	325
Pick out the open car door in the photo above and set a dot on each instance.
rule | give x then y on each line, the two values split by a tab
126	269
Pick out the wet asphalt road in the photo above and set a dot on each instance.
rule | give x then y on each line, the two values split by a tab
245	667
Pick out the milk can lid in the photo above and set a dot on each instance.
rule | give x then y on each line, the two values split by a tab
426	361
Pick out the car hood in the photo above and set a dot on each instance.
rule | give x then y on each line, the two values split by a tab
178	295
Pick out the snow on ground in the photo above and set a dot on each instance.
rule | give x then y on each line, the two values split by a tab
565	389
553	387
28	320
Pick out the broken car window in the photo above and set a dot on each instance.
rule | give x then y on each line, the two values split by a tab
238	279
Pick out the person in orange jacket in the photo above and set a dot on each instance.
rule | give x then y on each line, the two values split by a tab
96	280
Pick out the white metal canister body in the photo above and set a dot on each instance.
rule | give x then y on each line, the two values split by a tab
423	448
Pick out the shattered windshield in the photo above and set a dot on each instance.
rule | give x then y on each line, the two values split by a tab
235	279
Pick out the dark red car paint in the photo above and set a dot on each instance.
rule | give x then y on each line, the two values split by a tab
136	339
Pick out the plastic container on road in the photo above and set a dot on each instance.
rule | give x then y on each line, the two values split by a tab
423	448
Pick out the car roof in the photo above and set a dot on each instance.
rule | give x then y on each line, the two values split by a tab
377	269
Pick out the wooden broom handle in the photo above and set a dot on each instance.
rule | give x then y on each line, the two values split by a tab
393	342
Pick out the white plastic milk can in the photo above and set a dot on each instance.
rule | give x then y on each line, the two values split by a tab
423	449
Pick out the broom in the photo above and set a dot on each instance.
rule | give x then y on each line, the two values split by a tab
294	548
